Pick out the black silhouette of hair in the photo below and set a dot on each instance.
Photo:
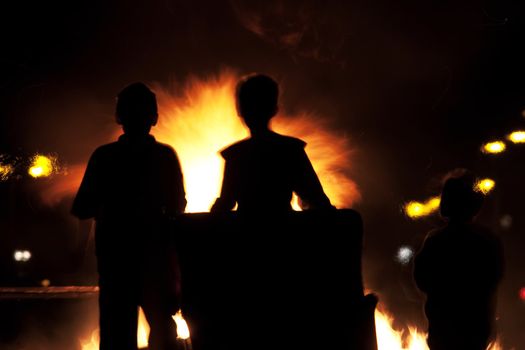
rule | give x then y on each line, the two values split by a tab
136	107
459	198
257	97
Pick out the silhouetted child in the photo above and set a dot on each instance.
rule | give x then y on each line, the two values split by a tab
131	187
459	268
263	171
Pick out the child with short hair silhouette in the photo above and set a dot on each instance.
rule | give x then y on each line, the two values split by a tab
131	187
459	269
263	171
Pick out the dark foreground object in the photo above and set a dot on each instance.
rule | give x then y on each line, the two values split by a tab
287	282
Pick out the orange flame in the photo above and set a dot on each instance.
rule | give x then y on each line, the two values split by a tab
92	343
388	338
204	120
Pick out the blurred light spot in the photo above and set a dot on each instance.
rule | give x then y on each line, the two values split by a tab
522	293
416	210
183	332
22	255
485	186
506	221
517	137
42	166
404	255
45	283
493	147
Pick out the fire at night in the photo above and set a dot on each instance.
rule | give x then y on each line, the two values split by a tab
262	174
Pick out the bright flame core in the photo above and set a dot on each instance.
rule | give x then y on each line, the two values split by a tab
517	137
485	186
494	147
42	166
204	120
183	331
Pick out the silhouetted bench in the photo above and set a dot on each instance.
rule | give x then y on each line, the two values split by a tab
287	282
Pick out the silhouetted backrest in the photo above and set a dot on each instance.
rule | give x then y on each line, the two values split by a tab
257	282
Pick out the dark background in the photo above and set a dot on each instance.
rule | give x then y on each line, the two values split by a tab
418	86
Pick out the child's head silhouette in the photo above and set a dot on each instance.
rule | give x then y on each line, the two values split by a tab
459	198
136	109
257	97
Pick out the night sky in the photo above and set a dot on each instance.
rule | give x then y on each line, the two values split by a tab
417	86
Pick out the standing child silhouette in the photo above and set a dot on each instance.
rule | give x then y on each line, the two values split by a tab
459	269
131	187
263	171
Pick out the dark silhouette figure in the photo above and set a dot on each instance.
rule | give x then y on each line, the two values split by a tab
459	268
131	187
262	171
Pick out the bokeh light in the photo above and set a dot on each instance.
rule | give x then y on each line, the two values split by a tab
493	147
485	186
517	136
404	254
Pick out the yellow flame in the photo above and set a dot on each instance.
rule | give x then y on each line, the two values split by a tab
494	147
5	171
142	330
92	343
388	338
485	186
416	210
204	120
183	331
42	166
517	137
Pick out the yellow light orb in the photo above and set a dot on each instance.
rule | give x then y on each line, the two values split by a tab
414	209
494	147
41	166
485	186
433	204
517	137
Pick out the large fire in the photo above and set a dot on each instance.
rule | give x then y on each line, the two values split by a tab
202	120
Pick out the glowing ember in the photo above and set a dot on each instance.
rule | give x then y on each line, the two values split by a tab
42	166
485	186
494	147
517	137
5	171
416	210
183	331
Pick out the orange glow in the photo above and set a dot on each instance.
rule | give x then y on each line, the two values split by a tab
204	120
5	171
388	338
493	147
